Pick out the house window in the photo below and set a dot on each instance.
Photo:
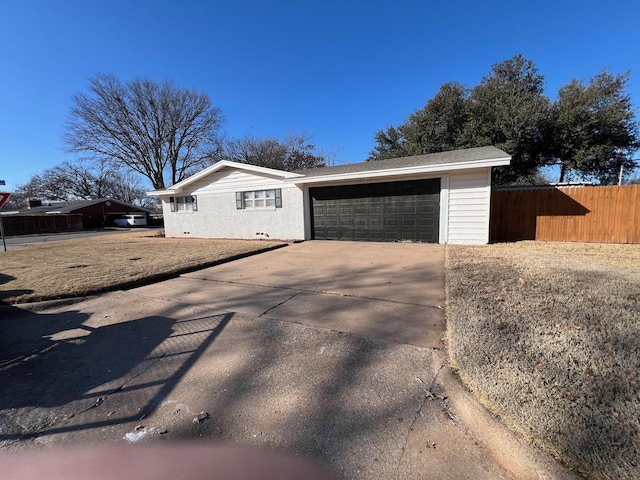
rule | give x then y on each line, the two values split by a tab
258	199
184	204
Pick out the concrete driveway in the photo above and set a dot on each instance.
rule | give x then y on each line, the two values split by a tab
328	350
391	292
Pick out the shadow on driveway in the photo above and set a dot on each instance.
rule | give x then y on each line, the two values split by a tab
55	367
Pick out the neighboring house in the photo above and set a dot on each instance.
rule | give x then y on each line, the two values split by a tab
437	198
96	213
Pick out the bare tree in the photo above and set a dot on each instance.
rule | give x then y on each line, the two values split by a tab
127	187
81	180
156	129
294	152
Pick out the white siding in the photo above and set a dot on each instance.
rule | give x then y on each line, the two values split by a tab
218	217
228	180
468	206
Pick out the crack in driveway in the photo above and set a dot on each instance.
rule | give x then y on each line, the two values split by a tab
279	304
418	414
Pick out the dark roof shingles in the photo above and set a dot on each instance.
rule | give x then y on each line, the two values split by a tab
453	156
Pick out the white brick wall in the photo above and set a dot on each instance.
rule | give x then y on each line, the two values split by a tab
217	216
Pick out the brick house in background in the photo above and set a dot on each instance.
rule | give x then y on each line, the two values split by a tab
66	216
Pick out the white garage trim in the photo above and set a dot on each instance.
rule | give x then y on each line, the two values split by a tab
444	208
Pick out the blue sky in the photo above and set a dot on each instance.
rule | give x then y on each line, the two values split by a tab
338	70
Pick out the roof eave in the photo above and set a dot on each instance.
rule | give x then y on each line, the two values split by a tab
393	172
159	193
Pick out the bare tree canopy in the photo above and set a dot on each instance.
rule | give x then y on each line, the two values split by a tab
156	129
295	152
81	180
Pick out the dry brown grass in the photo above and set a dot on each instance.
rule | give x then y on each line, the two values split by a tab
548	336
72	268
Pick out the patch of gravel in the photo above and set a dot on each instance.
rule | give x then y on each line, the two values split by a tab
548	336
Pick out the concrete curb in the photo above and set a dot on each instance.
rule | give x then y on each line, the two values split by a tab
519	458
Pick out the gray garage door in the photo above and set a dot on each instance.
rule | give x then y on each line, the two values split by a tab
377	212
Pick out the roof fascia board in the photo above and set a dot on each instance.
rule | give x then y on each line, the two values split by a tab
264	170
159	193
393	172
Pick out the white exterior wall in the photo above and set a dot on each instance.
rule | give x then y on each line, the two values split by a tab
469	199
218	217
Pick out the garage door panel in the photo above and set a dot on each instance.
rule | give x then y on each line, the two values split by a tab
390	236
359	210
375	222
428	238
331	222
392	211
331	211
428	209
409	209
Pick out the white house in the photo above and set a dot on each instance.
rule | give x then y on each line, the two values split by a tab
438	198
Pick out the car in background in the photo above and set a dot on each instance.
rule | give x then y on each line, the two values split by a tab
132	220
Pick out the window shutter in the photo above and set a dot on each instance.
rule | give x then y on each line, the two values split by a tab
194	201
172	203
278	198
239	201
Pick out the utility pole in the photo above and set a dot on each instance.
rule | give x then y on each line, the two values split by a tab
619	152
3	198
620	176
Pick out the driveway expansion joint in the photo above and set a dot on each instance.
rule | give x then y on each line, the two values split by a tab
317	290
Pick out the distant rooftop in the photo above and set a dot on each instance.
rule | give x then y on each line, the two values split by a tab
39	208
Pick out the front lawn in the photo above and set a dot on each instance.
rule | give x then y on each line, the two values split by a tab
71	268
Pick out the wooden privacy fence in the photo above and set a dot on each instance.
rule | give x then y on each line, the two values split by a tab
29	224
567	214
